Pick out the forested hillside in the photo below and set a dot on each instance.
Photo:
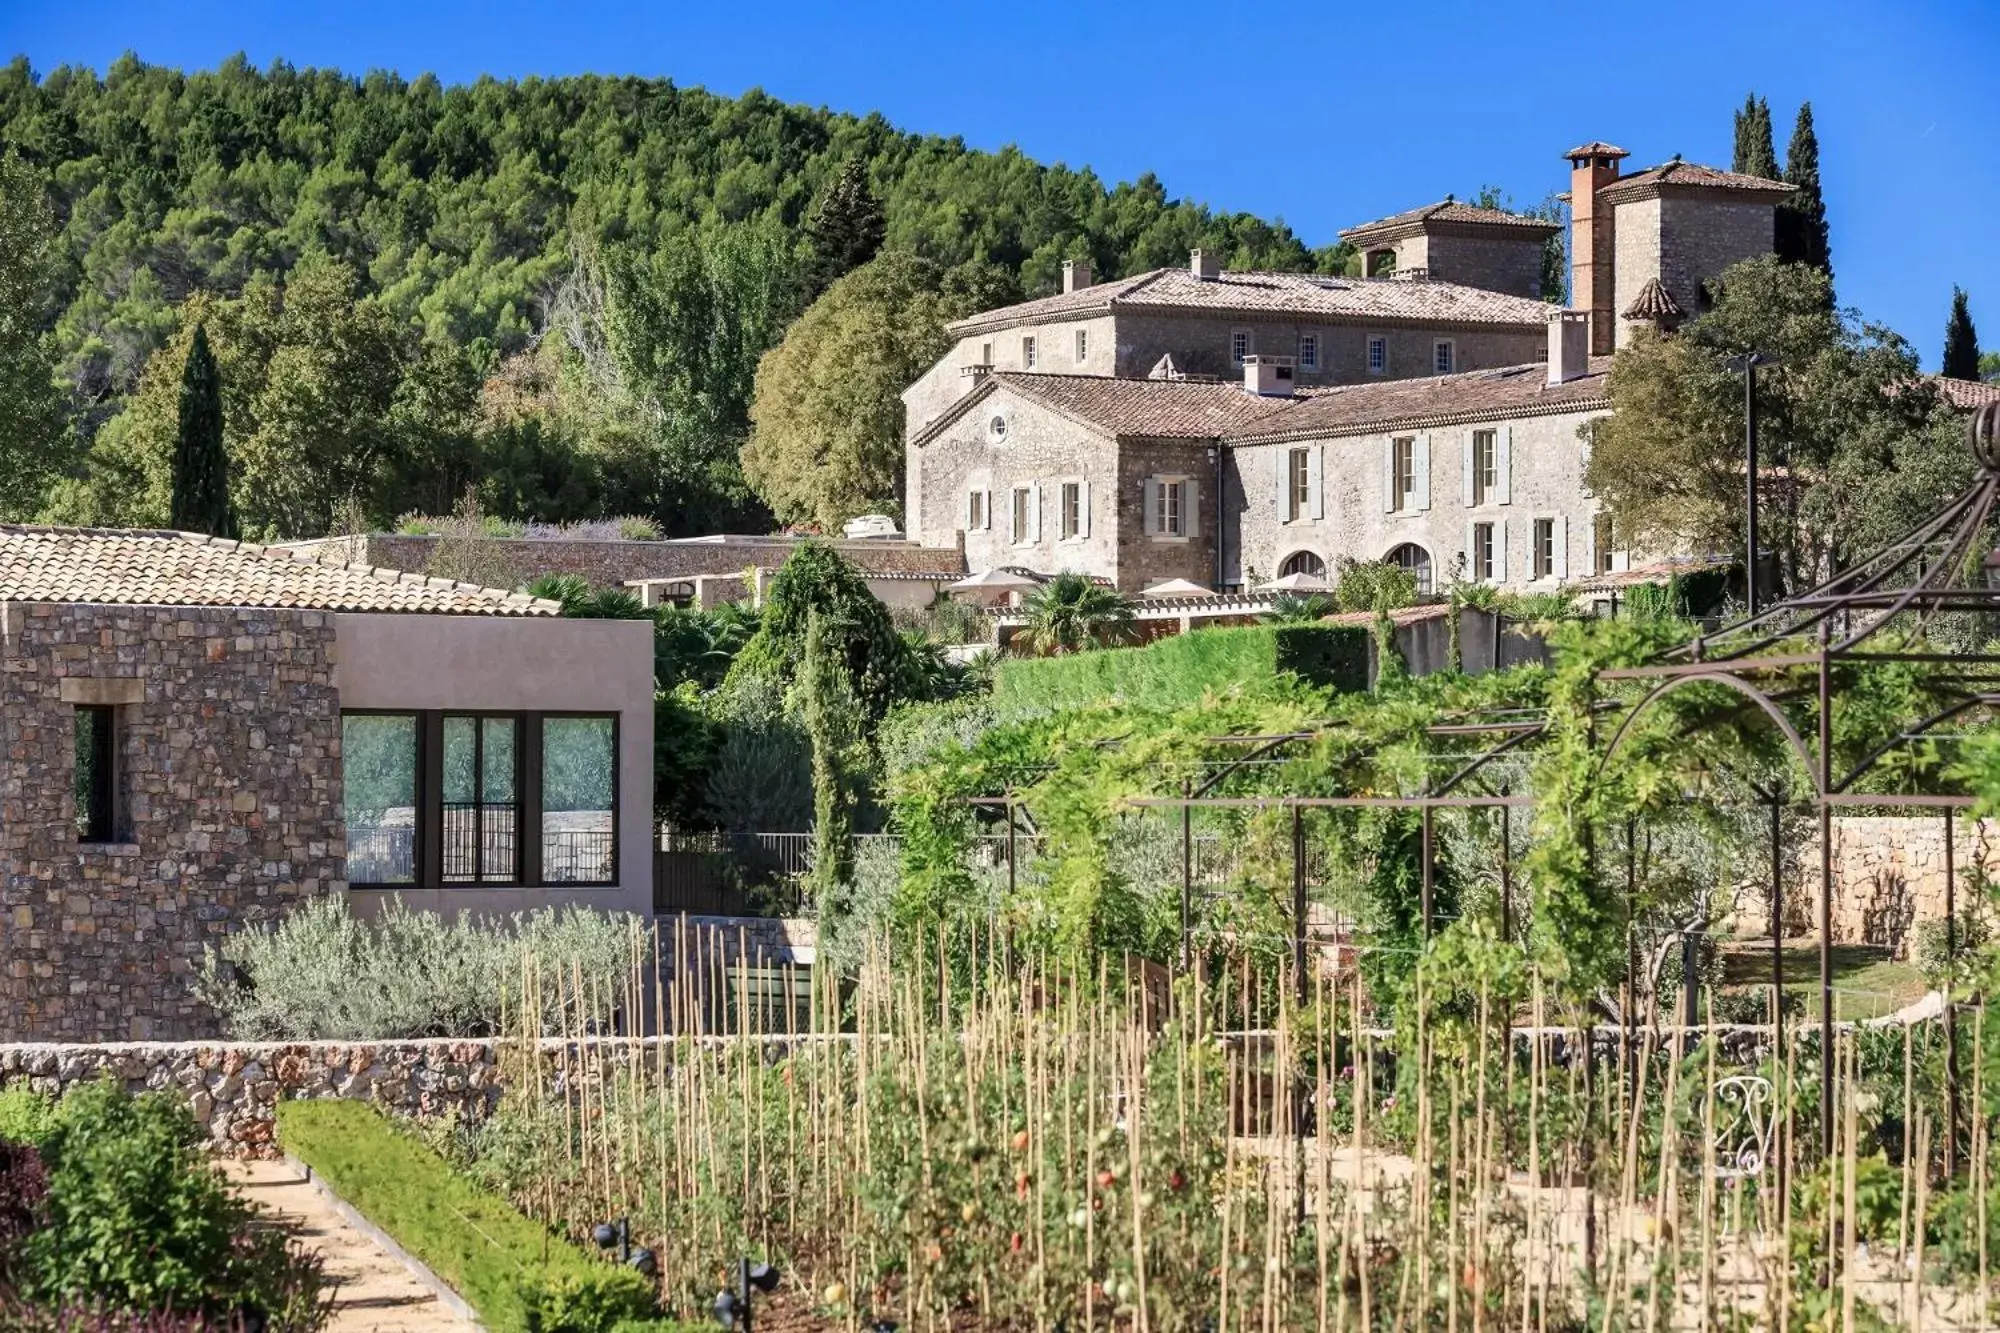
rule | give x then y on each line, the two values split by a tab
555	291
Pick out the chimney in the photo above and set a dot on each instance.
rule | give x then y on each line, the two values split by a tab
1076	274
1205	266
1592	166
1268	376
1569	345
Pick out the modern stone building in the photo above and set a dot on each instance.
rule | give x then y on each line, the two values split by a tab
1230	428
196	735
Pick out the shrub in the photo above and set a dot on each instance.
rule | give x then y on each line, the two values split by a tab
25	1115
1181	670
634	529
323	973
135	1220
24	1193
508	1267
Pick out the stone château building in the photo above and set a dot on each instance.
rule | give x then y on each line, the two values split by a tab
1228	428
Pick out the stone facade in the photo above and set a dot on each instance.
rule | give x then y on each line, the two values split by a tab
1476	257
1888	875
611	563
228	809
1683	237
1541	461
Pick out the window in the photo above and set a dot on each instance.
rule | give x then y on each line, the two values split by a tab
1072	510
1485	465
481	816
447	799
579	800
1378	356
1403	478
1023	503
1027	353
1298	483
1239	347
1601	538
1308	351
1441	358
378	760
1082	345
1545	548
996	429
986	354
1480	557
96	773
1302	562
975	511
1417	561
1173	518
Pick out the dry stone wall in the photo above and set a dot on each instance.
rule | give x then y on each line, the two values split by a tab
1888	874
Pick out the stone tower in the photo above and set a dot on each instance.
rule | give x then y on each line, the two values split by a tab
1593	241
1679	225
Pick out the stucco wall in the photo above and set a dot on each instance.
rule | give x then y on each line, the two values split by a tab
514	664
1545	480
1055	354
228	756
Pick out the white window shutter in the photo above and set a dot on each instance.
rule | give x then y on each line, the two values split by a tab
1504	466
1389	475
1316	479
1422	466
1190	507
1500	551
1590	546
1035	512
1583	471
1562	549
986	509
1281	492
971	498
1083	508
1465	449
1149	503
1471	570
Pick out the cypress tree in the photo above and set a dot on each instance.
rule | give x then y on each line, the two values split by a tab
1756	152
201	467
846	228
1802	233
1961	340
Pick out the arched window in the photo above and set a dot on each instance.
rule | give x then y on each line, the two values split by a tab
1417	560
1303	562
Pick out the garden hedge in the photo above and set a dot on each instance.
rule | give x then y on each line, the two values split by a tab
1182	669
518	1276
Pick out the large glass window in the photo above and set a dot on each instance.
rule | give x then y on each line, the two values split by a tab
579	793
379	762
481	813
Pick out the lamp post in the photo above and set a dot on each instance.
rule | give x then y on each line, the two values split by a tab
618	1235
1748	363
732	1308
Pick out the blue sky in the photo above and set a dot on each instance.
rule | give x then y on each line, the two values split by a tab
1321	115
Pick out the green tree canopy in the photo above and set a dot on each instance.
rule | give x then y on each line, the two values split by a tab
828	437
846	228
1861	446
854	625
33	431
1801	225
1756	148
1961	340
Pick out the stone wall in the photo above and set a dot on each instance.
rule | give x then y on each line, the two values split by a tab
234	1087
1487	258
1888	874
1684	238
227	757
609	563
1200	343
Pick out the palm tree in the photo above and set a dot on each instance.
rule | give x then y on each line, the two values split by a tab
1295	609
1071	613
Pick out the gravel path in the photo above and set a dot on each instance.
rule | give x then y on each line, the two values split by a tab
376	1294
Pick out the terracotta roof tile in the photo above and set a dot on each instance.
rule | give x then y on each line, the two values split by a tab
1143	409
1450	211
1653	302
1691	175
1353	300
1358	409
1967	394
1597	148
152	567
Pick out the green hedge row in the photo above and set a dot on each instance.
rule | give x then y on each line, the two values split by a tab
508	1267
1180	670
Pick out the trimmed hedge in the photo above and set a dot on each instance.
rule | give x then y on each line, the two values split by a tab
1182	669
508	1267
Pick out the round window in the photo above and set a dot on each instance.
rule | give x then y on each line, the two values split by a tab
997	428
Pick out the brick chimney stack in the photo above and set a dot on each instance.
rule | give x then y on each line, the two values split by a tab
1076	274
1593	166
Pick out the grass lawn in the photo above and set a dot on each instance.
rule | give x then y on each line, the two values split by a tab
1867	982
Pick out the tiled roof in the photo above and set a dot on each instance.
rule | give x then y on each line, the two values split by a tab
150	567
1967	394
1475	395
1315	295
1123	408
1597	148
1448	210
1653	302
1692	175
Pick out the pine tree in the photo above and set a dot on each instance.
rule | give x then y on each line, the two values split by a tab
1756	153
1961	340
846	229
201	466
1802	233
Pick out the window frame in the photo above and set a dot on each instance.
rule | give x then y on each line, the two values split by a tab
1603	543
427	857
1444	350
1173	507
1239	347
1020	515
1028	351
1480	557
1308	351
976	517
1082	346
1298	484
1376	364
479	718
1403	463
1069	510
1542	549
98	817
1420	567
1485	466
